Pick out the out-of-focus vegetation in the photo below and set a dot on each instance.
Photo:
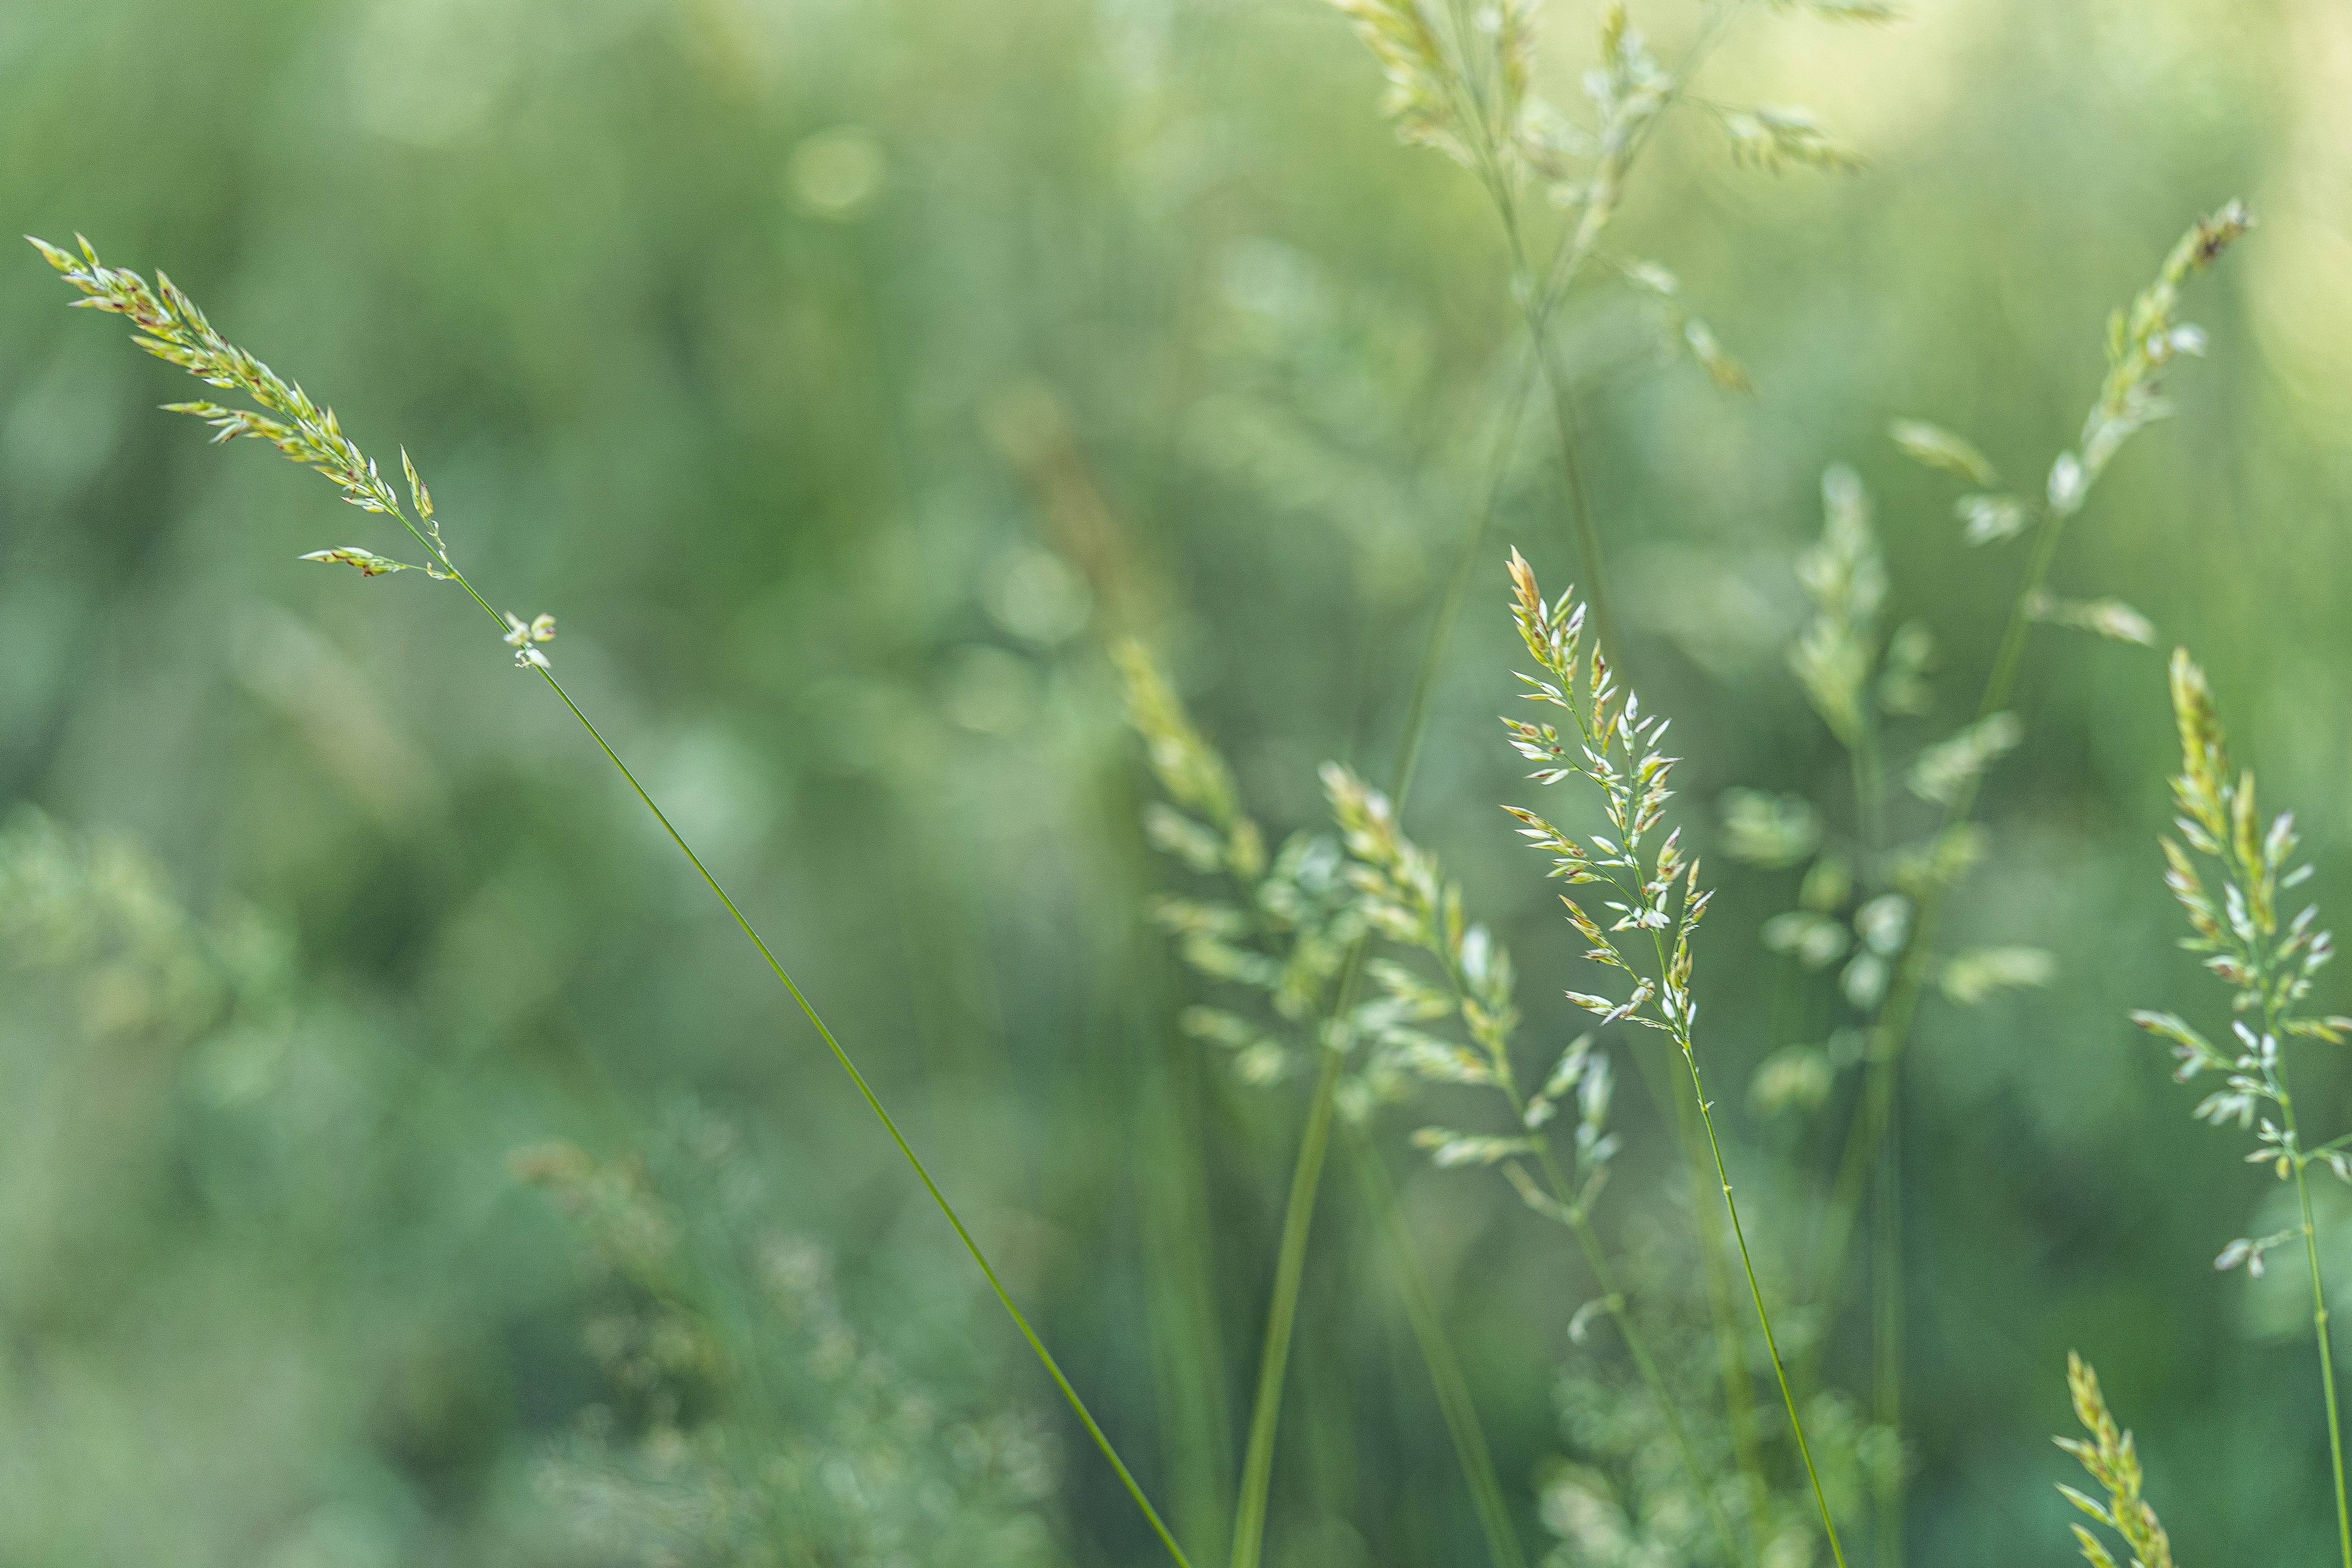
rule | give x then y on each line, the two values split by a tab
848	377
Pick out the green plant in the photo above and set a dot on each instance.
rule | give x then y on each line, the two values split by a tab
171	327
2269	963
1461	81
1839	658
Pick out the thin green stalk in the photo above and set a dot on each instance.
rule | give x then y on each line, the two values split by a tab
1731	1355
1274	1358
1613	1301
1457	586
1869	789
873	1103
1763	1318
1682	1037
1189	1362
2318	1290
866	1090
1536	311
1887	1229
1886	1380
1452	1389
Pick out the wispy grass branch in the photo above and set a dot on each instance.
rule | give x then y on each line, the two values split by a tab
171	327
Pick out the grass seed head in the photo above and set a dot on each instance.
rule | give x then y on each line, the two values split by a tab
171	327
2109	1456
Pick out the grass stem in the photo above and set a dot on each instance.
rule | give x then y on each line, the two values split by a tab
1868	757
1731	1353
1763	1317
2318	1302
1274	1358
873	1103
1886	1340
864	1090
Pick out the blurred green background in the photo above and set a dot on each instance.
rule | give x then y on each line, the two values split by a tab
844	375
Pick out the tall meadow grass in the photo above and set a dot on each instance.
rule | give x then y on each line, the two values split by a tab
1624	1184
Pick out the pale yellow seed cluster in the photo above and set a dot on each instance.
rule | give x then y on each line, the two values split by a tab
171	327
2113	1463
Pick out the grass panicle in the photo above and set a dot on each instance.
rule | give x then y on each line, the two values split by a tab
1657	902
2269	961
1407	899
1460	80
2113	1463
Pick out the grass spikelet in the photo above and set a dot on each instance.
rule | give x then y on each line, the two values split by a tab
2112	1461
171	327
1937	447
1846	576
2142	340
1772	138
1280	926
1463	91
